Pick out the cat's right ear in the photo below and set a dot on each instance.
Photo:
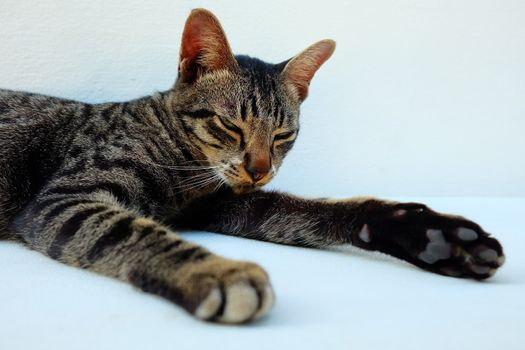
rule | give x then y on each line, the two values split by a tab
300	70
204	47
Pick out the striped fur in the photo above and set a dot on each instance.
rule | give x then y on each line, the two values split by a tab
104	186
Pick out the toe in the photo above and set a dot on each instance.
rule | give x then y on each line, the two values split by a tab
241	303
268	299
210	305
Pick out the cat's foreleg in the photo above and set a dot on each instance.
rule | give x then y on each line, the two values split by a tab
96	232
440	243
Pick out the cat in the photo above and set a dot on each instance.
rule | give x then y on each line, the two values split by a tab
104	186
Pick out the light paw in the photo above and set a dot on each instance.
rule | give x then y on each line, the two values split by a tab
238	292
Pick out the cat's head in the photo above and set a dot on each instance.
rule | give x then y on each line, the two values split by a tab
242	113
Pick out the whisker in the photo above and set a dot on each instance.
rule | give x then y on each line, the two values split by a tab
184	167
195	177
187	167
193	181
200	182
219	185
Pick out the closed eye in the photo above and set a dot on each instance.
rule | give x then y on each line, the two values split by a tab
284	136
229	125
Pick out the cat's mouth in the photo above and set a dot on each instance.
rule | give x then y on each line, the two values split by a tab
241	182
246	186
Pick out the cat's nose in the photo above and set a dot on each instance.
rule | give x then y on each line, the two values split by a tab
257	166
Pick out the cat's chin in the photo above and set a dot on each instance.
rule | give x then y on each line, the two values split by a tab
241	189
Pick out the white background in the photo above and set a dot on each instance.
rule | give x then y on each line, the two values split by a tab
422	97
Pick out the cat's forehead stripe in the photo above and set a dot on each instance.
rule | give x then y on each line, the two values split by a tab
255	111
243	110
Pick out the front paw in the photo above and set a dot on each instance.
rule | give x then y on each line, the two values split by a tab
215	289
237	291
444	244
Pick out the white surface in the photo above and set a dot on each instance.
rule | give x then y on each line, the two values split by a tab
325	300
422	97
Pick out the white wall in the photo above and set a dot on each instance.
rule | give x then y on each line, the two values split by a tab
422	97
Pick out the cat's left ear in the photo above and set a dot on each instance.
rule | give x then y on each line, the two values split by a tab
300	70
204	46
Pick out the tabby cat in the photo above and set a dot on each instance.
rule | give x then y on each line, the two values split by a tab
105	186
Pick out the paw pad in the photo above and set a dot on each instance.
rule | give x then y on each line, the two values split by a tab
466	234
364	234
479	269
437	248
467	253
488	255
399	213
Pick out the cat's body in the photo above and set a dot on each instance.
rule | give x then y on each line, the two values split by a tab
50	140
103	186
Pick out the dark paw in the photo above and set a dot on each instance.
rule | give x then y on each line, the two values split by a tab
444	244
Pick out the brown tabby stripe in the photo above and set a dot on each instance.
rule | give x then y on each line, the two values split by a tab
191	133
198	114
243	110
186	153
114	188
69	229
4	107
108	112
164	153
159	287
163	119
60	208
171	245
105	215
280	122
275	107
45	202
184	255
254	109
150	181
76	168
187	128
118	232
200	255
144	232
155	244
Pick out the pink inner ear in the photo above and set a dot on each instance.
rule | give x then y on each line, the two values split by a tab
301	69
192	44
204	45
